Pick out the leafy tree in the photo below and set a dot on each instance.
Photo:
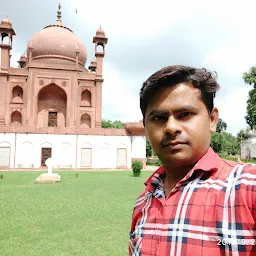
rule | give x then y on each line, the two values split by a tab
242	135
225	143
112	124
148	148
231	145
118	124
221	126
216	142
250	78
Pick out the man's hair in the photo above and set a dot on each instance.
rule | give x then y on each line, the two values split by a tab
201	78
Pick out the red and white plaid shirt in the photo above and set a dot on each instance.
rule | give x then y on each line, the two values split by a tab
211	211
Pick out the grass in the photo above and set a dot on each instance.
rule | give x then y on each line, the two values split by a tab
88	213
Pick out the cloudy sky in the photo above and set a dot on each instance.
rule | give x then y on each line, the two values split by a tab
145	36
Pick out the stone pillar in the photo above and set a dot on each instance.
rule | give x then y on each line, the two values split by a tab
3	91
98	107
5	57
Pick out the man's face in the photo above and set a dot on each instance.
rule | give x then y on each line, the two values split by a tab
178	125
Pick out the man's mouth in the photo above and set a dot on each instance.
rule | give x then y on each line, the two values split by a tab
173	143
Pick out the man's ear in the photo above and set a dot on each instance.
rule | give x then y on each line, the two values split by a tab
214	118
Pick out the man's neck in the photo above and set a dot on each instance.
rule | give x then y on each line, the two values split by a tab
173	174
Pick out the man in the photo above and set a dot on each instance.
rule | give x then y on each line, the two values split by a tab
196	203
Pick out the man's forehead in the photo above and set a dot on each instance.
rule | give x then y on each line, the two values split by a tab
178	97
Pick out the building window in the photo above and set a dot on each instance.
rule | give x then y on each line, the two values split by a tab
45	154
86	157
5	156
52	119
17	94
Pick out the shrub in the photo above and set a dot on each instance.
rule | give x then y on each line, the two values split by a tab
158	162
136	168
1	176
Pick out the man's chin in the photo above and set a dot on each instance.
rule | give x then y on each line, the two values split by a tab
177	159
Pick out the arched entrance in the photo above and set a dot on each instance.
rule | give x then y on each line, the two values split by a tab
52	106
248	153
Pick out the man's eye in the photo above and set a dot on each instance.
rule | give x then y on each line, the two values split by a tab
157	118
185	114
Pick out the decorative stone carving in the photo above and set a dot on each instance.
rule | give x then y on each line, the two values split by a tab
86	88
16	109
64	83
41	82
17	84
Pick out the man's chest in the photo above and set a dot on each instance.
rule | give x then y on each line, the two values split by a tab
192	220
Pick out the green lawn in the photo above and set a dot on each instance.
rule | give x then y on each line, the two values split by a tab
85	215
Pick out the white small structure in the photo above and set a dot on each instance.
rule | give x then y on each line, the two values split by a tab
49	164
48	177
248	147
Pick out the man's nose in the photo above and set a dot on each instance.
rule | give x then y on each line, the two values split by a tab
173	126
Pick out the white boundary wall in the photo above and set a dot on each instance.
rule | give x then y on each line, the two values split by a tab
66	149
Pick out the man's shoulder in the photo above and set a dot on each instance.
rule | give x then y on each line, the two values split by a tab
241	167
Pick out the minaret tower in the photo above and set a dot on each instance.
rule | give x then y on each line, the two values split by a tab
6	32
100	41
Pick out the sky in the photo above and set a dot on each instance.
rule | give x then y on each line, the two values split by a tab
145	36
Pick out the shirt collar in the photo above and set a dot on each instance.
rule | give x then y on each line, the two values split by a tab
209	162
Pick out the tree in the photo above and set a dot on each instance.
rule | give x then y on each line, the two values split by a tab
148	148
112	124
216	142
221	126
250	78
225	143
242	135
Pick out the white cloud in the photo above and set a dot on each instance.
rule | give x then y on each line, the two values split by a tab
132	18
119	101
232	109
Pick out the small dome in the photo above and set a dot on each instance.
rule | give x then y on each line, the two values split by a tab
251	134
23	57
94	61
100	32
6	21
57	40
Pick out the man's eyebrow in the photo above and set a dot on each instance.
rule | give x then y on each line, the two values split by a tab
156	112
188	108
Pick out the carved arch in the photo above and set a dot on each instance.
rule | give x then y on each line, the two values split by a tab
86	98
85	121
16	118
